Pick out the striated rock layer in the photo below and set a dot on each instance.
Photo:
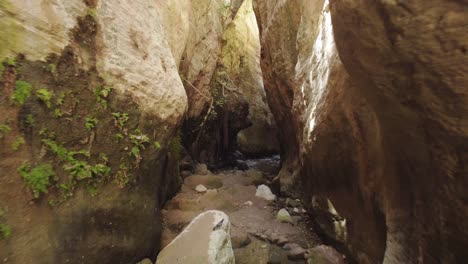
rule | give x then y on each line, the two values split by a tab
379	134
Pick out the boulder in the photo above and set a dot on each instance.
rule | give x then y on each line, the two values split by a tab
296	253
324	255
284	217
201	169
264	192
242	165
239	238
202	241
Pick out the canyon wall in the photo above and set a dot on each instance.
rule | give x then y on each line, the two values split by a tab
93	96
376	123
90	99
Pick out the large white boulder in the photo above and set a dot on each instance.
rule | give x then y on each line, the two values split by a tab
200	242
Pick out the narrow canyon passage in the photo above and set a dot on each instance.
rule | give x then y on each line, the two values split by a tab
233	131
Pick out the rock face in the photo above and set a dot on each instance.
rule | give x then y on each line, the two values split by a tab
381	130
91	95
201	242
240	60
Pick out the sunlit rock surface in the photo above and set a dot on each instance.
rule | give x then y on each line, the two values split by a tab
205	240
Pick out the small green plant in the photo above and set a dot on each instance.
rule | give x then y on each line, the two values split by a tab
52	68
4	129
22	92
7	62
120	119
156	145
92	12
45	96
58	113
19	141
60	99
10	61
90	123
37	178
57	149
122	177
30	120
102	93
119	136
5	231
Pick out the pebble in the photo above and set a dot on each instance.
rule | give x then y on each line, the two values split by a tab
296	253
201	188
248	203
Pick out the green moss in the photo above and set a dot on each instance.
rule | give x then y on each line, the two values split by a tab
92	12
176	146
37	178
22	92
7	62
45	96
5	231
30	120
19	141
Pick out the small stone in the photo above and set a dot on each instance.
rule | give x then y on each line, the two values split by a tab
264	246
303	211
185	174
281	241
293	203
242	165
201	188
296	253
290	246
201	169
248	203
284	217
296	210
273	238
264	192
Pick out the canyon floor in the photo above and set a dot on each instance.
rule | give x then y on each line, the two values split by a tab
256	233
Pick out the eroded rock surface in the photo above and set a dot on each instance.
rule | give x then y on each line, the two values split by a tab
377	121
90	91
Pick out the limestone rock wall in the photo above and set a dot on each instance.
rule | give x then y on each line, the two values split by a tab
373	110
240	65
90	97
409	61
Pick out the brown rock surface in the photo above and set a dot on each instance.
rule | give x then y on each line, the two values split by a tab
382	135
